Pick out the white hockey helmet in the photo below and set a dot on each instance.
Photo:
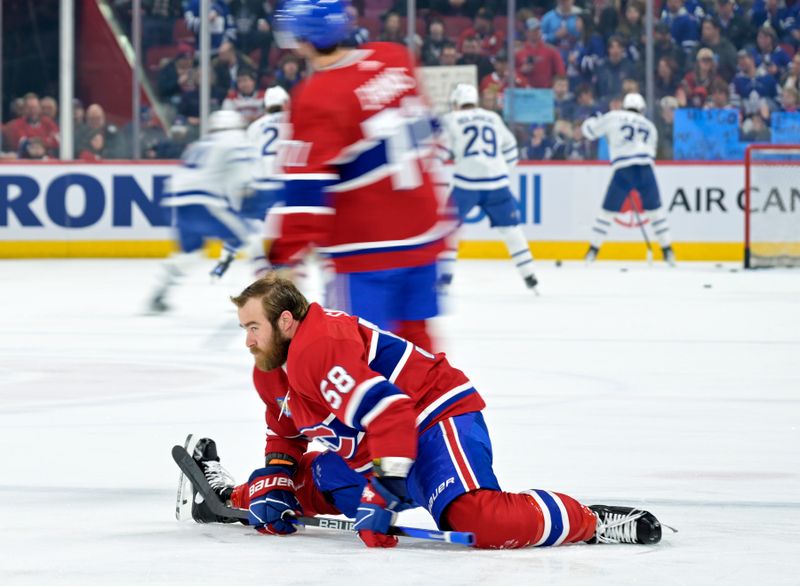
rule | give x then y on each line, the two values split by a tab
464	93
225	120
634	102
275	96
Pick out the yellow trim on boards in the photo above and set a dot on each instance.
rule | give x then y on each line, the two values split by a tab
563	250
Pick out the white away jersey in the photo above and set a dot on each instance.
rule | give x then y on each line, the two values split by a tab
216	171
265	134
631	137
482	147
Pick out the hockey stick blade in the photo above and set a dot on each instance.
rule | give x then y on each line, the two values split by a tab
192	471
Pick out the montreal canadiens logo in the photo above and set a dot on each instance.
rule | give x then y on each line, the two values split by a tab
340	441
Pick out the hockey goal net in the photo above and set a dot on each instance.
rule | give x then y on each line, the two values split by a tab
772	206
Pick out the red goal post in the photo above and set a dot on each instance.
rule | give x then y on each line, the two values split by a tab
772	206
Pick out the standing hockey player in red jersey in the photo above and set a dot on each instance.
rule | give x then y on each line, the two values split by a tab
403	429
357	173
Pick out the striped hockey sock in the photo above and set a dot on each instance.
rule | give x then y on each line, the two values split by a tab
518	248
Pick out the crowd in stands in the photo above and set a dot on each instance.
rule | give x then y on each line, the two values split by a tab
724	54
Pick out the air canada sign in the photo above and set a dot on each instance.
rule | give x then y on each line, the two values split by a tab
558	202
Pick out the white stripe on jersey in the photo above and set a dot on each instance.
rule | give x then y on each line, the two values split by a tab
357	396
402	362
302	210
379	408
548	523
446	397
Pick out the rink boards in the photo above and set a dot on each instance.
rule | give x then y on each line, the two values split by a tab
112	210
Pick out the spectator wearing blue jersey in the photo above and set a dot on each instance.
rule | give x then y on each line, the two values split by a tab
562	26
564	103
615	68
751	89
220	22
539	146
769	57
683	25
770	13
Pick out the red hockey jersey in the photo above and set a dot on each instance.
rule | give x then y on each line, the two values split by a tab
358	168
362	392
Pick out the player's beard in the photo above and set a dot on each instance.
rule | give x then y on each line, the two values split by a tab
275	354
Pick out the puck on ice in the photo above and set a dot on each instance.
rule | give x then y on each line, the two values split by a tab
707	285
558	263
624	269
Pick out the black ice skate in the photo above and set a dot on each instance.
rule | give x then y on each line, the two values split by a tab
669	255
591	254
204	452
531	282
625	525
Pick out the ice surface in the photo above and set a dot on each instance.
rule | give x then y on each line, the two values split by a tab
678	390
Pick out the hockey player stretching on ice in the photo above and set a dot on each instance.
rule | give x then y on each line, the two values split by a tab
356	173
483	149
403	429
632	142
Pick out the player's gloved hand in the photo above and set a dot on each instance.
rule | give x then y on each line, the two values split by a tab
273	504
381	500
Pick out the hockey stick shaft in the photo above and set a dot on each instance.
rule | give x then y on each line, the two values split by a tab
641	227
192	471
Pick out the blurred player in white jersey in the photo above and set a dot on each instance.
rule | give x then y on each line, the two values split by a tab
264	134
632	140
483	149
207	193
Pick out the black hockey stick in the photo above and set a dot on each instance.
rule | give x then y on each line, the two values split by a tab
192	471
644	232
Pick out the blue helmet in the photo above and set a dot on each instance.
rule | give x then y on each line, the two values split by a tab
323	23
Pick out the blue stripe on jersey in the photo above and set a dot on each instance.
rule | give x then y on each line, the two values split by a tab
367	161
306	192
481	180
371	398
388	353
419	132
556	522
444	406
393	248
639	156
